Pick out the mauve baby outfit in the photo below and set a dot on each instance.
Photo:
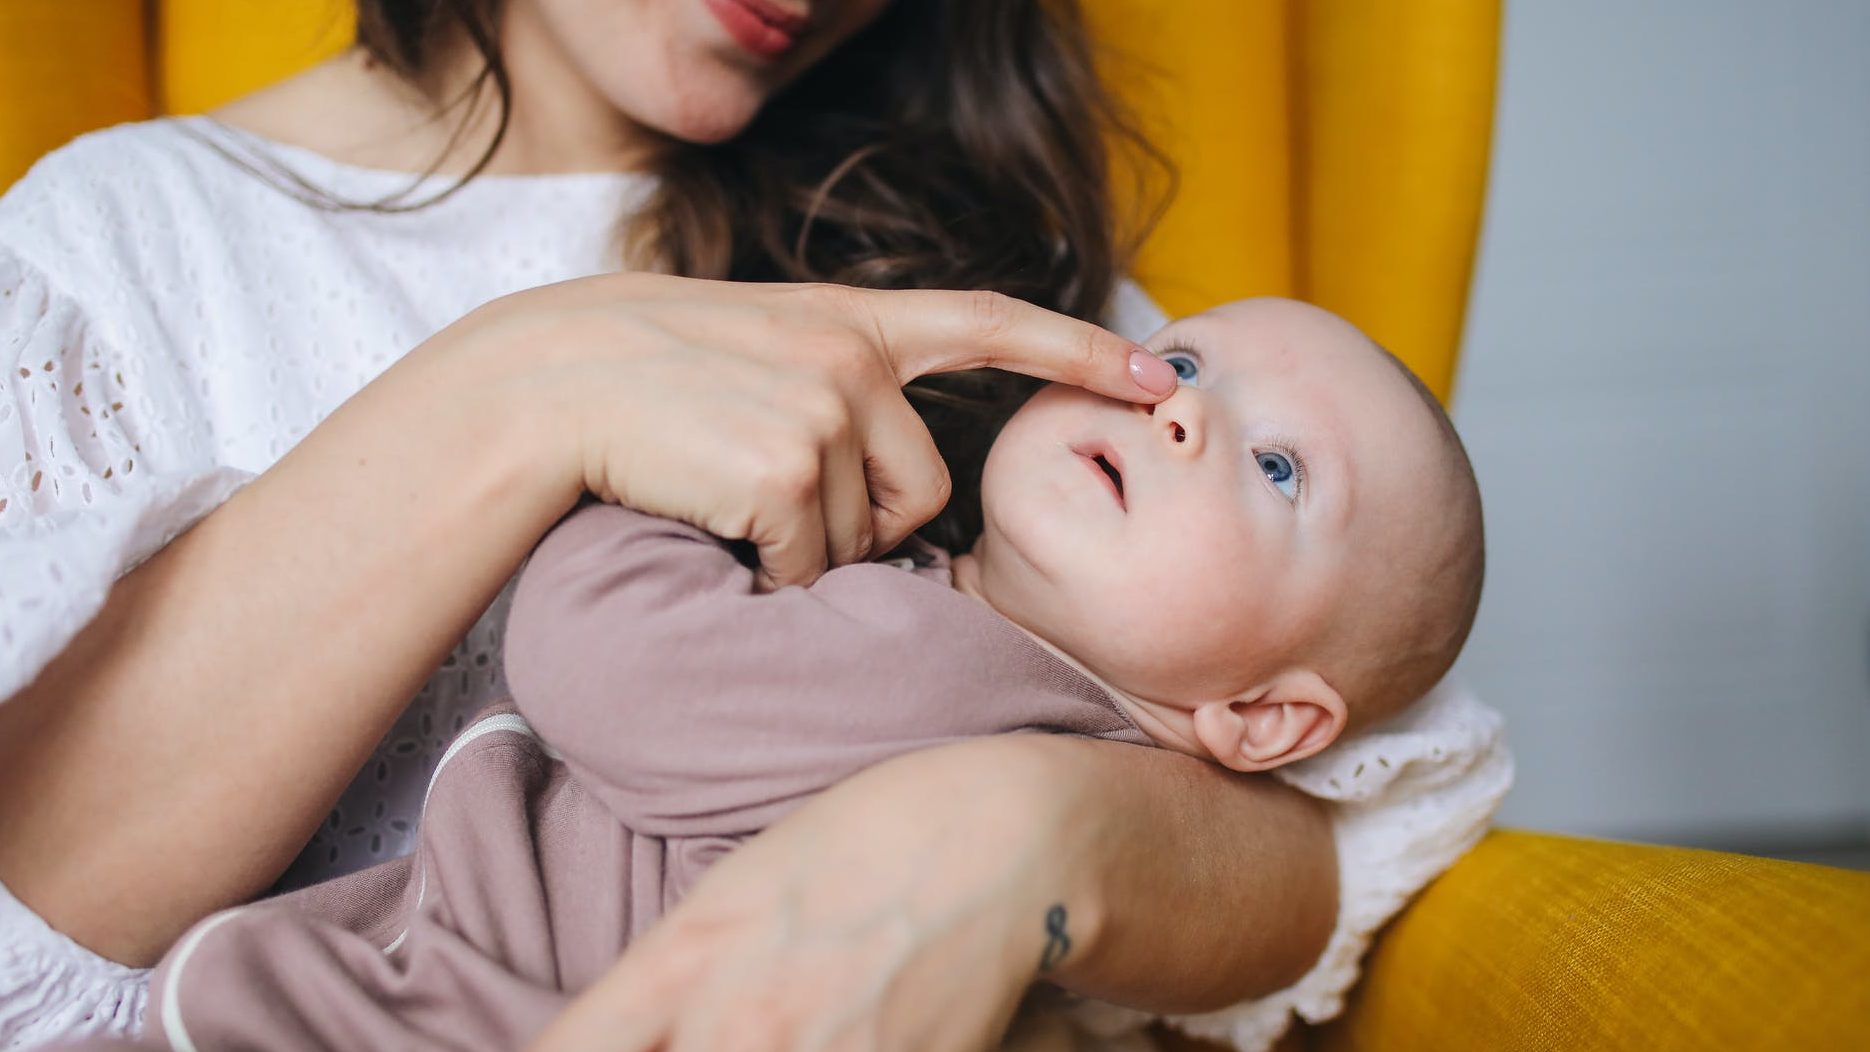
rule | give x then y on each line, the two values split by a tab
662	712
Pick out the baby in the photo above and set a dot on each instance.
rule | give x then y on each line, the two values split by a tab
1286	549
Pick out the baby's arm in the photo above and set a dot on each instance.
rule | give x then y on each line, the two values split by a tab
639	648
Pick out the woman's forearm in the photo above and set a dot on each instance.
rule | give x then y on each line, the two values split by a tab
1205	887
915	902
179	752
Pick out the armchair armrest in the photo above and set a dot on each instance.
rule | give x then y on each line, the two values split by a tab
1535	941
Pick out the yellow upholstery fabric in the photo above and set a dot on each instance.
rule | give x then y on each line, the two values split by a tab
1210	82
66	67
1544	942
212	51
1333	150
1396	105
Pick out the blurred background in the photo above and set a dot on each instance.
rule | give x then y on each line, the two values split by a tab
1665	388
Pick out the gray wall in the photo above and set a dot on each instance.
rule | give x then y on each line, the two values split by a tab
1666	391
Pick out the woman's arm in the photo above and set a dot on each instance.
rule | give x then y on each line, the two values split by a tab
181	749
914	903
178	752
1207	887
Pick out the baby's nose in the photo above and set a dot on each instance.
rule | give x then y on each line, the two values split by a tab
1178	419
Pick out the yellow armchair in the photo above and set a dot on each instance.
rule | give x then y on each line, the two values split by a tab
1545	942
1333	150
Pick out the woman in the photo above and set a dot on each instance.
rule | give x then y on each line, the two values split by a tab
227	329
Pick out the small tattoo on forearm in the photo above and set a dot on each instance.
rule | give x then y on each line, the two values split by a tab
1057	943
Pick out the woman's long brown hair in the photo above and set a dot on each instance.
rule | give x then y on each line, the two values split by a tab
960	144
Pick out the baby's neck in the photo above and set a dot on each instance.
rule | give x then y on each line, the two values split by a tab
1170	726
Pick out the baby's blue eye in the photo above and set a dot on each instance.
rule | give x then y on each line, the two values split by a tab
1277	467
1187	366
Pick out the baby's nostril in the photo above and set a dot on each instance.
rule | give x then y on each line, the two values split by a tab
1180	435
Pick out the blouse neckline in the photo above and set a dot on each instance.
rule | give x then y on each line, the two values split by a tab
354	181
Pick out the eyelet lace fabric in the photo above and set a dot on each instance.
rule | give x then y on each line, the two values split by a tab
170	326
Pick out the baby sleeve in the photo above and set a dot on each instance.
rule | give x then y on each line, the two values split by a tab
104	456
692	704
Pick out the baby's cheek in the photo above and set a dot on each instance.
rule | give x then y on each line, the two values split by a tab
1179	630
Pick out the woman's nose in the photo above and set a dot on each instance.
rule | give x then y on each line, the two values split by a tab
1179	421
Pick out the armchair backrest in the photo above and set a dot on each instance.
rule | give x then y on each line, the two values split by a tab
1333	150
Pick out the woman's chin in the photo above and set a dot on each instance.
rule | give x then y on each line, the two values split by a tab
702	133
707	119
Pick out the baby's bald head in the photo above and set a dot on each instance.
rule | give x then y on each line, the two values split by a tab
1405	621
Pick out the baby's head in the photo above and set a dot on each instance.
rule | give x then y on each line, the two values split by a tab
1287	548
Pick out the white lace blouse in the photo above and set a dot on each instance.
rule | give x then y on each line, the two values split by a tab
170	325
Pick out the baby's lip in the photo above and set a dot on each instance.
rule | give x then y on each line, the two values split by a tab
1104	459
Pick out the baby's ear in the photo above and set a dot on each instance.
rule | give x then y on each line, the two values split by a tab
1290	717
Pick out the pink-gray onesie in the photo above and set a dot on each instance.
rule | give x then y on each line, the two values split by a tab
662	712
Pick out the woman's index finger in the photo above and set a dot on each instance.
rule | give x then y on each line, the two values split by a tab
937	331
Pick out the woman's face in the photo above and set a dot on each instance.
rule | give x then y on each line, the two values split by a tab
697	70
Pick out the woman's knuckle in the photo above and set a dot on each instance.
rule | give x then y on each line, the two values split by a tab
824	411
924	502
831	298
916	507
990	313
766	1020
847	356
789	473
687	955
1089	352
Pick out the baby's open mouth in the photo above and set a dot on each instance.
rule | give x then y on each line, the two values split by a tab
1115	478
1103	458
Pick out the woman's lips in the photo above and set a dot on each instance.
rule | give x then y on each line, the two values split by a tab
758	25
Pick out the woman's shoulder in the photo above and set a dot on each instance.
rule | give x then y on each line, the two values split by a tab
126	164
88	207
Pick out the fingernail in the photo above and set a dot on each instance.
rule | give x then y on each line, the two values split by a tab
1151	373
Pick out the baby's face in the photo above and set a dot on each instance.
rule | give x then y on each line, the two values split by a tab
1188	551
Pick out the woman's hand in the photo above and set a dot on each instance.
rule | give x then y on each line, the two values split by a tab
905	907
769	413
912	904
